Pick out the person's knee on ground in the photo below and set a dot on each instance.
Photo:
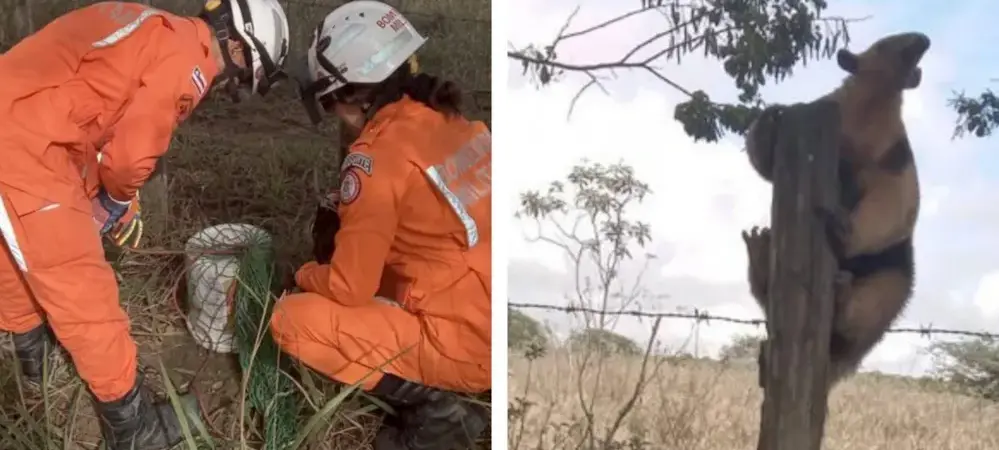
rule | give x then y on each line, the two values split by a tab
426	417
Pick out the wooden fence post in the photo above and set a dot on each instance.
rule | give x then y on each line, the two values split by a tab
793	369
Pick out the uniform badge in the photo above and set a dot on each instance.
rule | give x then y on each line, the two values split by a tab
198	80
185	104
350	187
358	160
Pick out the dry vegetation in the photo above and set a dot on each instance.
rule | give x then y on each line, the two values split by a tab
258	163
706	405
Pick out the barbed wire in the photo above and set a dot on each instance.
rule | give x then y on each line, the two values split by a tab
705	317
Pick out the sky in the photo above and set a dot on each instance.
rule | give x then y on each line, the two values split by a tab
705	194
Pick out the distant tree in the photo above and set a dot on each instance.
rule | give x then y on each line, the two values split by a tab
524	331
603	341
587	218
742	347
755	41
970	365
977	115
591	224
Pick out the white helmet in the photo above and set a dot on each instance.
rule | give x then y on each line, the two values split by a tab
262	26
363	41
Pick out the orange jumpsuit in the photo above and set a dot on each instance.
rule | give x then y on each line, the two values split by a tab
114	77
415	206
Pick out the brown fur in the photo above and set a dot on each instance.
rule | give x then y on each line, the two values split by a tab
870	101
348	135
325	225
871	230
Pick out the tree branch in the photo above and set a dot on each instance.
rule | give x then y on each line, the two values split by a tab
754	41
978	116
639	386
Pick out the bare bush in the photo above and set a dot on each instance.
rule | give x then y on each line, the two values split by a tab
587	219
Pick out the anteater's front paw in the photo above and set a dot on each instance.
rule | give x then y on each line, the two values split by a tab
836	222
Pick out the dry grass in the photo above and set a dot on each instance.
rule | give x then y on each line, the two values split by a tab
257	163
704	405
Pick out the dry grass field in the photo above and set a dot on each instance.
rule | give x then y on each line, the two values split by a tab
259	163
705	405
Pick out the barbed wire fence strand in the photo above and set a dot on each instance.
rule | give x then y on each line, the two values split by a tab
705	317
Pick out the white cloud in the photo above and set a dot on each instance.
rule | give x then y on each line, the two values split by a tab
715	335
899	353
703	194
987	295
932	198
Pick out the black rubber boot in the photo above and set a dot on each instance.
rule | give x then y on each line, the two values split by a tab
429	418
134	422
31	348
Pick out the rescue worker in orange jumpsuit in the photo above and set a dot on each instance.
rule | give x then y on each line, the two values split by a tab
414	209
88	104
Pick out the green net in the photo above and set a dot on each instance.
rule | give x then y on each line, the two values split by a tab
232	278
268	390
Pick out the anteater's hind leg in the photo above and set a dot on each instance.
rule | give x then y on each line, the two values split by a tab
757	242
864	311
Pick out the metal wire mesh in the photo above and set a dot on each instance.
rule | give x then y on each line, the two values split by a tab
231	282
213	258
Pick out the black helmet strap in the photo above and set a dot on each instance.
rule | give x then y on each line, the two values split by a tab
308	90
219	16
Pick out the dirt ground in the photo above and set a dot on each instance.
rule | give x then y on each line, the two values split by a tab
261	163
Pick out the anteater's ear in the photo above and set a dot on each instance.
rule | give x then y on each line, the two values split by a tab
915	77
847	61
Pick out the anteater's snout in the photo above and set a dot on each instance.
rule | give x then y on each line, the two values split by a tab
918	44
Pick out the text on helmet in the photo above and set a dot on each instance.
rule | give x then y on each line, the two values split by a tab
391	19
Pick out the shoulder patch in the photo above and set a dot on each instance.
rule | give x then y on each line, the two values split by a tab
358	160
198	80
185	104
350	187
